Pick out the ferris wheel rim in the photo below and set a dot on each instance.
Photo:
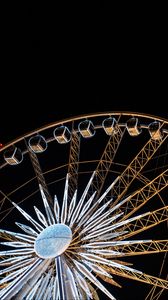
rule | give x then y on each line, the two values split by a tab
87	116
81	117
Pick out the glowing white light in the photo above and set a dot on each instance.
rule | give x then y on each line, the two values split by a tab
84	231
53	241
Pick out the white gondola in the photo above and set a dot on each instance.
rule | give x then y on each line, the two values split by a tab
86	128
110	126
13	156
155	131
37	143
62	134
133	127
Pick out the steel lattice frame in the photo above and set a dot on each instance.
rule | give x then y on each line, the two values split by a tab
124	199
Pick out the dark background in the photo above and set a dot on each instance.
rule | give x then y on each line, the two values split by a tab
61	62
69	60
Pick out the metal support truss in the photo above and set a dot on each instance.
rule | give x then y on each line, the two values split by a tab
155	292
73	163
145	222
140	248
139	276
105	162
135	167
39	173
143	195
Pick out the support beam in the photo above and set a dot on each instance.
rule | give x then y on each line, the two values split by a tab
105	162
73	164
138	276
143	195
150	220
149	247
135	167
39	174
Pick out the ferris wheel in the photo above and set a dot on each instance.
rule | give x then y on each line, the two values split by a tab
84	210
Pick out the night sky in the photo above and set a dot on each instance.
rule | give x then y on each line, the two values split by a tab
57	64
62	66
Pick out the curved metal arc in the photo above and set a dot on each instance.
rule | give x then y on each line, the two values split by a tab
80	117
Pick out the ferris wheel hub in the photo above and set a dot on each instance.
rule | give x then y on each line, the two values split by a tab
53	241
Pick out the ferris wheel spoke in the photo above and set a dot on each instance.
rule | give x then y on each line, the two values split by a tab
42	291
146	222
140	248
95	295
16	285
34	283
99	229
31	294
139	276
11	235
13	260
40	216
106	161
86	273
99	223
82	283
135	167
102	273
75	215
70	286
65	201
28	217
95	258
73	164
49	294
86	206
48	211
60	276
109	280
39	173
123	224
94	211
143	195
